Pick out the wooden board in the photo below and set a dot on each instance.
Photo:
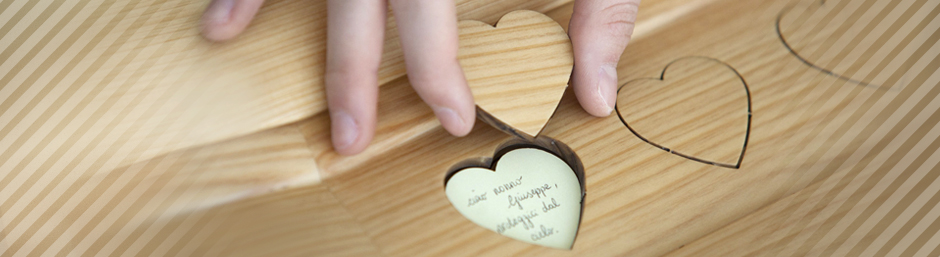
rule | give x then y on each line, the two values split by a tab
517	69
831	166
139	73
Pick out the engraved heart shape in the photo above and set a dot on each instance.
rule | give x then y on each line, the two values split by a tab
699	108
885	44
517	70
530	195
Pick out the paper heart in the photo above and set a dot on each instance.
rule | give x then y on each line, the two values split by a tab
884	44
530	195
518	70
699	108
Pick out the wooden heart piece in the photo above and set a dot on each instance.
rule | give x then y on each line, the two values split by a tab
531	195
518	70
699	108
884	44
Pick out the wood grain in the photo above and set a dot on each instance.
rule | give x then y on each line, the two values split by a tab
91	88
119	210
139	72
518	69
859	40
318	226
698	108
832	168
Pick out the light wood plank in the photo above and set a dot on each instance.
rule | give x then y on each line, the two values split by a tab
826	163
517	69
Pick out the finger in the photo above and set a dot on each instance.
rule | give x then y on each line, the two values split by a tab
225	19
428	30
355	31
599	30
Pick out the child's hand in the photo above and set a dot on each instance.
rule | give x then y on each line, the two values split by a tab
599	29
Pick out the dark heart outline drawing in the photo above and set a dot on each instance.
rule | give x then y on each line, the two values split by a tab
543	143
662	76
812	65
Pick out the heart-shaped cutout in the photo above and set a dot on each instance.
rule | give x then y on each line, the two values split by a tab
517	70
699	108
884	44
531	194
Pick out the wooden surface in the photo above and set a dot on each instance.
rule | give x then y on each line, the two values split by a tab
517	70
125	134
834	36
698	108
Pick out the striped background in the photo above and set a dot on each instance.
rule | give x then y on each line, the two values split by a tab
123	133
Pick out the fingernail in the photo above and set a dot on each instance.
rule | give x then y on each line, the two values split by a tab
607	79
450	120
345	130
219	11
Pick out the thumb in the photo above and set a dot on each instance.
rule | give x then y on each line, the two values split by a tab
599	31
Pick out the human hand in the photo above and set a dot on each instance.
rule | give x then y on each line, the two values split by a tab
355	34
599	29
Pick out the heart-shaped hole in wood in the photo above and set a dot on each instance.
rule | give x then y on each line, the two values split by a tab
517	70
884	44
531	191
699	108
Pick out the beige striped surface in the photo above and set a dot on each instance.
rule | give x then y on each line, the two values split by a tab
104	103
137	138
882	39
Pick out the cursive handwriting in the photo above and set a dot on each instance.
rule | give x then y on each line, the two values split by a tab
549	207
505	187
524	219
476	199
537	192
543	233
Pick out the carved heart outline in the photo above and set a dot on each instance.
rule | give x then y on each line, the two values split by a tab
661	78
789	45
804	60
543	143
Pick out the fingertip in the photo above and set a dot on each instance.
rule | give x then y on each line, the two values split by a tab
429	40
593	108
451	100
226	19
607	89
596	91
596	110
348	134
218	33
351	99
600	31
355	30
456	123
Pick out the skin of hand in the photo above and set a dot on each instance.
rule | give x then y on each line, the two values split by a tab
599	31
